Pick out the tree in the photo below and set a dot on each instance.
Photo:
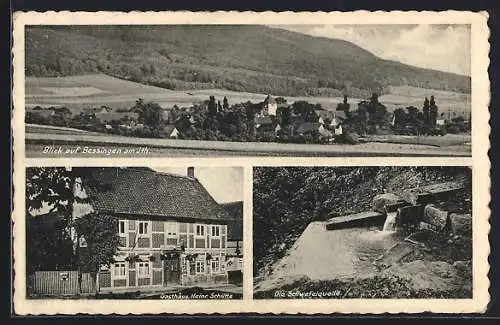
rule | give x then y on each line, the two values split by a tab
433	112
305	110
372	108
280	100
363	118
425	111
400	118
48	244
100	234
284	115
54	187
212	106
150	114
345	106
51	187
225	103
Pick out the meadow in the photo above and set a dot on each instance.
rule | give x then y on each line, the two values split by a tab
77	92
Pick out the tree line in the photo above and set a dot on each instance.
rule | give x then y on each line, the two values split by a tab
219	120
53	238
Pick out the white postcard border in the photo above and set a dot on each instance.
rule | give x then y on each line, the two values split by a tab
479	161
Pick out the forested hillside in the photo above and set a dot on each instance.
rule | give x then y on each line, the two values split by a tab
287	199
240	58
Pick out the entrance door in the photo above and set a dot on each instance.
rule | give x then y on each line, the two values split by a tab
172	272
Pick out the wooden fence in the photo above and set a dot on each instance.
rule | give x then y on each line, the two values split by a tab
59	283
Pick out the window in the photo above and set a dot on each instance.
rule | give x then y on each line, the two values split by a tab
121	227
119	269
200	230
171	229
200	267
143	227
143	268
215	263
215	231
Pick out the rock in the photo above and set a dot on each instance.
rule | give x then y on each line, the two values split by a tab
463	267
409	215
427	226
461	224
430	193
442	269
435	217
394	254
381	200
427	275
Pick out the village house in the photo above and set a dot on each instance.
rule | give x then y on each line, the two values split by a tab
324	116
172	232
172	131
269	106
337	118
441	122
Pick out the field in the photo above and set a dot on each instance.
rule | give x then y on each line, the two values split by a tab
437	141
100	146
77	92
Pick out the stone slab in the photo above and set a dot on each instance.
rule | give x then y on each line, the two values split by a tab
427	194
367	218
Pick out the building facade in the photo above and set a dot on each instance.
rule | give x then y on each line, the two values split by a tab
171	232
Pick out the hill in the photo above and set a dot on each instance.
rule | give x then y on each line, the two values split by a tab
247	58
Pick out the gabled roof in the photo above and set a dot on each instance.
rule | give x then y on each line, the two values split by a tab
235	224
143	192
269	100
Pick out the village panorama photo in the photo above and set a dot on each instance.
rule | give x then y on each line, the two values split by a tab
362	232
240	90
134	233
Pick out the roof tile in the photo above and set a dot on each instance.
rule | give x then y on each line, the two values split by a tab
146	192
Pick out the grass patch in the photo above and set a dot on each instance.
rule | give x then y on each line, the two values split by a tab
373	288
435	141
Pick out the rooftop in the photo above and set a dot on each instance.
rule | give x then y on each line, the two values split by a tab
144	192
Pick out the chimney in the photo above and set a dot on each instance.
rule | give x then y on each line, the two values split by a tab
190	172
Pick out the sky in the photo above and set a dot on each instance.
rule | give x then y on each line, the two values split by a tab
438	47
225	184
